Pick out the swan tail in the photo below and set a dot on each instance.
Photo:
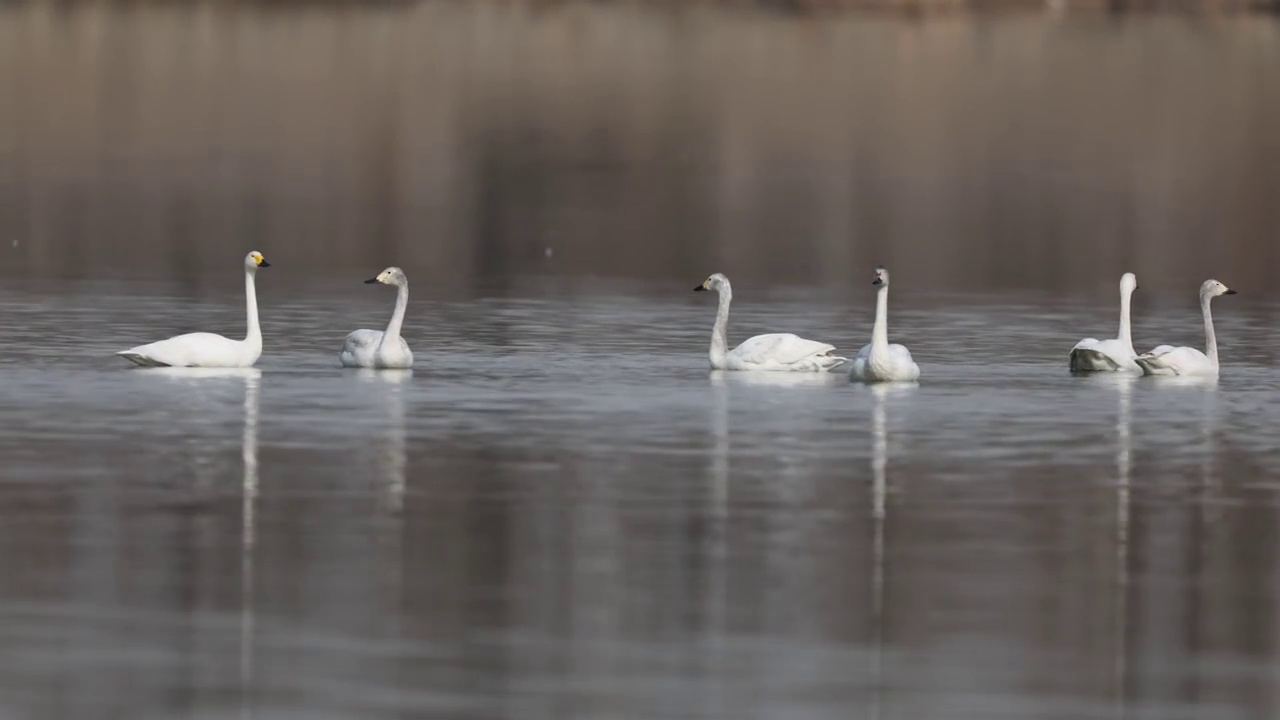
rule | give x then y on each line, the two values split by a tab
138	358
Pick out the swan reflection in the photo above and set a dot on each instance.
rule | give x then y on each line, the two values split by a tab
389	387
1124	468
883	395
252	379
722	378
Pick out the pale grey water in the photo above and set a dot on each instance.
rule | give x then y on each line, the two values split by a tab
563	513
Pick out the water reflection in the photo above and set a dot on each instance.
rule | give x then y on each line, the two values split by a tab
387	388
252	379
248	521
883	395
1124	469
724	378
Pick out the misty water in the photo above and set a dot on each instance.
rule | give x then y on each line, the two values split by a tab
561	512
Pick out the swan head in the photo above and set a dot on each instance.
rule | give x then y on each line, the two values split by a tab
1128	282
391	276
1213	288
881	277
715	282
255	260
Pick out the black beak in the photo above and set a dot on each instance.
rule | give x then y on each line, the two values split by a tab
1230	292
370	281
264	263
699	289
877	281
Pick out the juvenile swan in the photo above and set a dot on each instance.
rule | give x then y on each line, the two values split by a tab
1169	360
208	349
779	352
879	361
376	348
1090	355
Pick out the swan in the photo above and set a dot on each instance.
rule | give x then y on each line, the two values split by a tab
377	348
878	361
1090	355
208	349
1168	360
778	352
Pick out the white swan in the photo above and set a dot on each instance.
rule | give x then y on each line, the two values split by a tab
1188	361
377	348
878	361
779	352
208	349
1090	355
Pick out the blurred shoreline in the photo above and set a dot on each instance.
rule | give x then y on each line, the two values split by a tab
466	140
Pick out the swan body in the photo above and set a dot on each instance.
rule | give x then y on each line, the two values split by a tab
878	360
381	348
1167	360
207	349
774	352
1113	355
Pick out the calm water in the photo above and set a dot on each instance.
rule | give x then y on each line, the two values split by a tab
562	513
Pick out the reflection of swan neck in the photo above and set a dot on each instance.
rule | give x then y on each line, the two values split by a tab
249	453
879	451
1124	462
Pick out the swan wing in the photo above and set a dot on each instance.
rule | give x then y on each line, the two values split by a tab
190	350
780	348
1086	344
359	348
1102	356
1169	360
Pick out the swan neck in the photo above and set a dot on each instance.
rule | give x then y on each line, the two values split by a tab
254	334
720	332
1125	336
880	331
1210	339
397	317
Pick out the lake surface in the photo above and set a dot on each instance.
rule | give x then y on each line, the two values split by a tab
561	512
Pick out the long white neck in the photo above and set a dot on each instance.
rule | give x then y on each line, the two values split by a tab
397	318
254	335
1125	337
1210	340
720	332
880	331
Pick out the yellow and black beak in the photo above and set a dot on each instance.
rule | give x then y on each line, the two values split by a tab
700	288
263	263
371	281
